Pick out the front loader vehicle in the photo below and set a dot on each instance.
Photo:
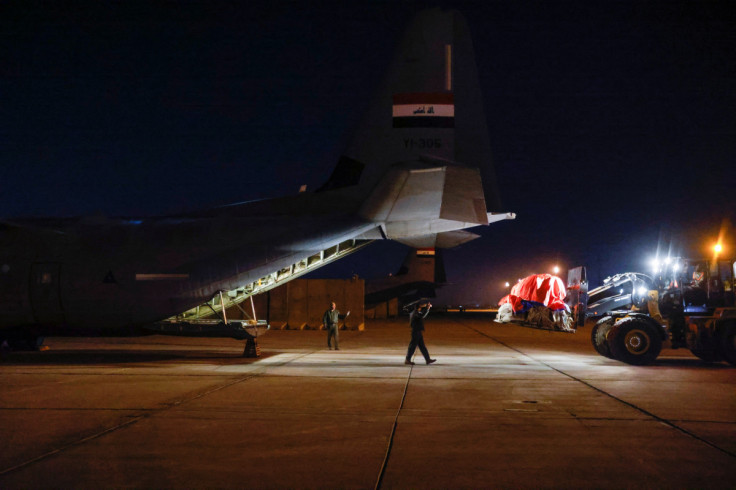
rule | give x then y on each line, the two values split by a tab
691	305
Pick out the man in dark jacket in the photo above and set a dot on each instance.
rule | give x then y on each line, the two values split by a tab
416	321
330	320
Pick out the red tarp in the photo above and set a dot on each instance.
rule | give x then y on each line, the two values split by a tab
541	288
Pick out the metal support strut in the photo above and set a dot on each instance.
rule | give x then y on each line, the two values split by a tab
252	349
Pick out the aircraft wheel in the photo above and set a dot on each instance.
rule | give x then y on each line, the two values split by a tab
635	341
728	342
599	334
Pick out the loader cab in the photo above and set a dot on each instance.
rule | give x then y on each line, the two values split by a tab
699	286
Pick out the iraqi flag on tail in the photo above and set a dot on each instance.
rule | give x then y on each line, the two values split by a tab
417	110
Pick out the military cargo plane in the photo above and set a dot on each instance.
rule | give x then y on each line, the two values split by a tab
414	172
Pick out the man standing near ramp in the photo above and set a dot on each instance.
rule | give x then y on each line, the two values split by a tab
416	321
330	320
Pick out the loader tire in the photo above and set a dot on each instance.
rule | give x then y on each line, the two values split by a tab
635	341
599	334
727	344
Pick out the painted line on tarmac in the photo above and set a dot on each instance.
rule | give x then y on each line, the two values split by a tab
629	404
382	472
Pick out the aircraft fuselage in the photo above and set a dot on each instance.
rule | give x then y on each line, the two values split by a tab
114	273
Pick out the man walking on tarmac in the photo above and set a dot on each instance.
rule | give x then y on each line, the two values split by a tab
330	320
416	321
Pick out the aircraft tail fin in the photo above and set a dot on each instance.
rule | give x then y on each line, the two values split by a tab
429	206
428	110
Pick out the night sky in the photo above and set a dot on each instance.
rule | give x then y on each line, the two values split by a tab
613	124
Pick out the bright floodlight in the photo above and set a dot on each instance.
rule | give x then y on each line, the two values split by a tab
655	265
507	284
556	269
718	248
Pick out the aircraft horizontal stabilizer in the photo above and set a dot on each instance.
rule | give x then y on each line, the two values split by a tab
496	217
416	201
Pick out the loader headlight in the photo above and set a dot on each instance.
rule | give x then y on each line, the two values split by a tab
642	291
655	265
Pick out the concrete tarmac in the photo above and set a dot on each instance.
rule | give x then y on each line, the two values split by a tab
504	407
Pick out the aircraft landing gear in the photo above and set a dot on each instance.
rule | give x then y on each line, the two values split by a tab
252	349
